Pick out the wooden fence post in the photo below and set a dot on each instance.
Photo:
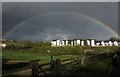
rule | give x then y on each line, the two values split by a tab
35	69
58	68
52	64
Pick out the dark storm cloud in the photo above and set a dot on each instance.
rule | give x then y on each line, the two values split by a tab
15	13
59	25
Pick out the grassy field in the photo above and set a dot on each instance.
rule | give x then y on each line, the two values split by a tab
30	56
14	59
18	54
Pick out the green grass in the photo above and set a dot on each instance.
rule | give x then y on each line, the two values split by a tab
29	56
25	56
99	68
100	64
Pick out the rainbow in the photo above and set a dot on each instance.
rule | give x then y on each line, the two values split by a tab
72	13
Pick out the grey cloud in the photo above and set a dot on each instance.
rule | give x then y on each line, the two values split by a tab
15	13
59	25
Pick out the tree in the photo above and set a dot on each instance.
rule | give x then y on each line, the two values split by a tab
114	39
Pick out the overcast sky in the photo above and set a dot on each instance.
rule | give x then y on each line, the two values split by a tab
49	21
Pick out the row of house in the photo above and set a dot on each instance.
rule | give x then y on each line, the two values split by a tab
78	42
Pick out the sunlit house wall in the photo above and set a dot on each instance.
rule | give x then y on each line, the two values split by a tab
92	42
78	42
58	43
54	43
82	43
66	42
88	42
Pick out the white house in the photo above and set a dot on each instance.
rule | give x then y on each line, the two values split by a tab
66	43
92	42
115	43
88	42
82	43
63	43
103	43
54	43
97	44
78	42
58	43
72	43
75	42
110	43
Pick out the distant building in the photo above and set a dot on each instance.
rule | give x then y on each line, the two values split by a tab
115	43
78	42
102	43
110	43
88	42
97	44
82	43
72	43
106	44
54	43
58	42
92	42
